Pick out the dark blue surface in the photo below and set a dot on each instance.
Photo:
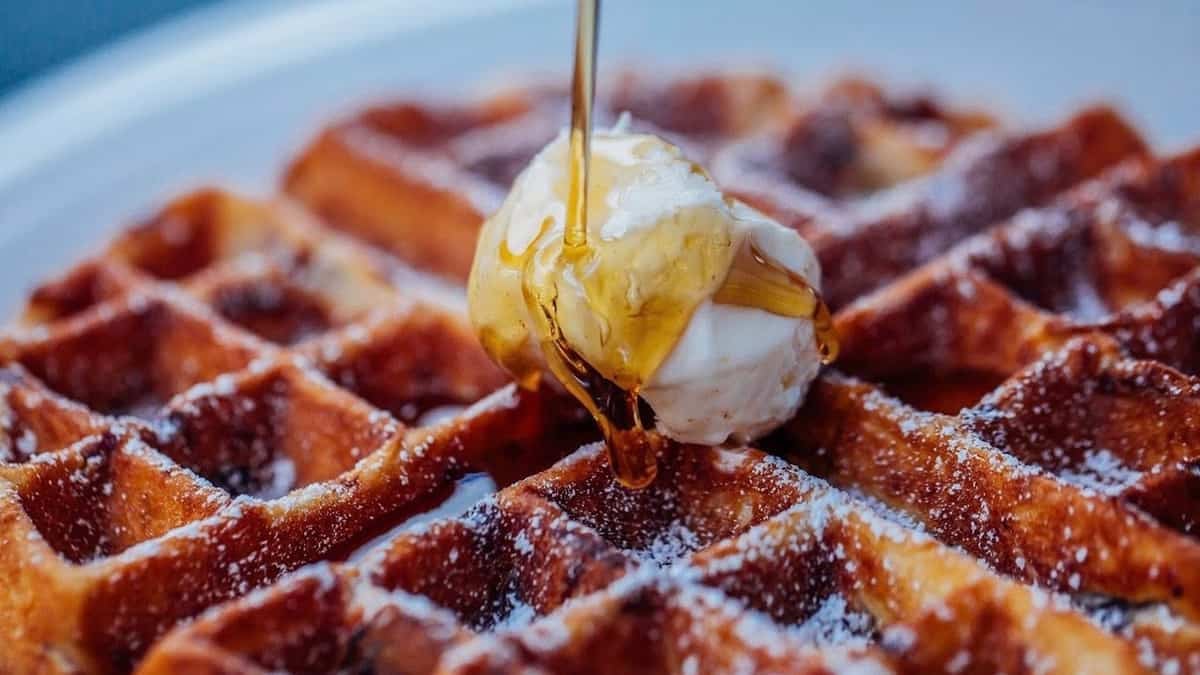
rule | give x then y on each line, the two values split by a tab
36	35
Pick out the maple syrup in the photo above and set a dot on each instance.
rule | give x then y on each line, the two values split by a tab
632	450
605	304
583	98
755	280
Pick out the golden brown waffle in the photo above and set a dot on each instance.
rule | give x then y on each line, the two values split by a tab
878	183
1064	343
160	456
221	432
418	179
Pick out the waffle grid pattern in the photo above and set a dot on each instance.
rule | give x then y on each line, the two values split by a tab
215	433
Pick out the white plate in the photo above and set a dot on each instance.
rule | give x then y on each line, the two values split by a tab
227	95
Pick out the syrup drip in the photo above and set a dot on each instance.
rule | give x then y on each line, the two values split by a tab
755	280
633	450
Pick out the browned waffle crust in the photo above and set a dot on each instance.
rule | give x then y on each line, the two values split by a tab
216	432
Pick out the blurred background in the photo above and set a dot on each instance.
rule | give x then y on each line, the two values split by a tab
46	33
108	107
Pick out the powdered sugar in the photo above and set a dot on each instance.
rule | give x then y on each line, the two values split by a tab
1101	471
834	623
669	545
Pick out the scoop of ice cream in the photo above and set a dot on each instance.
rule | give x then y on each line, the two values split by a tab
642	305
739	372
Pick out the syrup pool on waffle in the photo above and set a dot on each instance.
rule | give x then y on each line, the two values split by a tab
617	265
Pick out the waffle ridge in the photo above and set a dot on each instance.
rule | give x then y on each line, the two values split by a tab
255	436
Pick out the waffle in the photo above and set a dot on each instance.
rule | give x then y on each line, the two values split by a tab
830	167
258	436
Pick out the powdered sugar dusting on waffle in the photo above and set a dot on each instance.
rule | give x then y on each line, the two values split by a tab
1101	471
335	408
834	623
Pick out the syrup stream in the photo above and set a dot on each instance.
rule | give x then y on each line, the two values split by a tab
583	94
632	450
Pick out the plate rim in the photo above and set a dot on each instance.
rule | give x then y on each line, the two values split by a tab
196	53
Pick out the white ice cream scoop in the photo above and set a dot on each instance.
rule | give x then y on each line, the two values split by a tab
703	306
